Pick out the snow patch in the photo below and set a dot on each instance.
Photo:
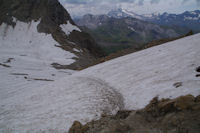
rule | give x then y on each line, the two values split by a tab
76	50
152	72
14	19
53	108
194	13
68	28
132	14
32	54
155	14
25	39
191	18
131	28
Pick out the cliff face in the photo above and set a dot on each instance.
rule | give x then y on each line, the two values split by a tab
55	20
27	10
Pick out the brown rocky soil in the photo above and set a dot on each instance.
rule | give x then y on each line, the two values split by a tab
180	115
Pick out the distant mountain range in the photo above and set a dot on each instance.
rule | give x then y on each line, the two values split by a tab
189	20
114	33
121	28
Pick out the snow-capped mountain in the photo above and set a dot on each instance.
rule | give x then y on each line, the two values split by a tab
128	82
189	20
152	15
188	15
39	43
31	23
121	13
193	15
122	31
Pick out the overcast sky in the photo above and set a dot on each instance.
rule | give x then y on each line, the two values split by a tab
81	7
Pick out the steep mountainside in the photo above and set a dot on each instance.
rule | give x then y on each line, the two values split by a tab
122	32
50	18
37	39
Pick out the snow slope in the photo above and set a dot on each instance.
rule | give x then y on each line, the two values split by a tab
68	28
29	55
128	82
153	72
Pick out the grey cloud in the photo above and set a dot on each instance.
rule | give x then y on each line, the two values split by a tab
75	1
154	1
198	3
184	1
141	2
81	7
95	1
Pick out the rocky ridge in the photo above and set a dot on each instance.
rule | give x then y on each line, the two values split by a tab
180	115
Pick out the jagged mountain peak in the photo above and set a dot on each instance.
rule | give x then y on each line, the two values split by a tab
121	13
28	10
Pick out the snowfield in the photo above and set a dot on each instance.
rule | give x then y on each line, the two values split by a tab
68	28
26	57
128	82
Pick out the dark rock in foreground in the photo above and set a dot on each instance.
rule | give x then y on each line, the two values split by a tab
180	115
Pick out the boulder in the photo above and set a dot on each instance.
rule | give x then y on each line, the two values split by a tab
77	127
184	102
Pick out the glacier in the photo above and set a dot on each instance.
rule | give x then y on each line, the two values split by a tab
128	82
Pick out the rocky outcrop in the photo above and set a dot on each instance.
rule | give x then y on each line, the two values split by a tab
77	127
180	115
